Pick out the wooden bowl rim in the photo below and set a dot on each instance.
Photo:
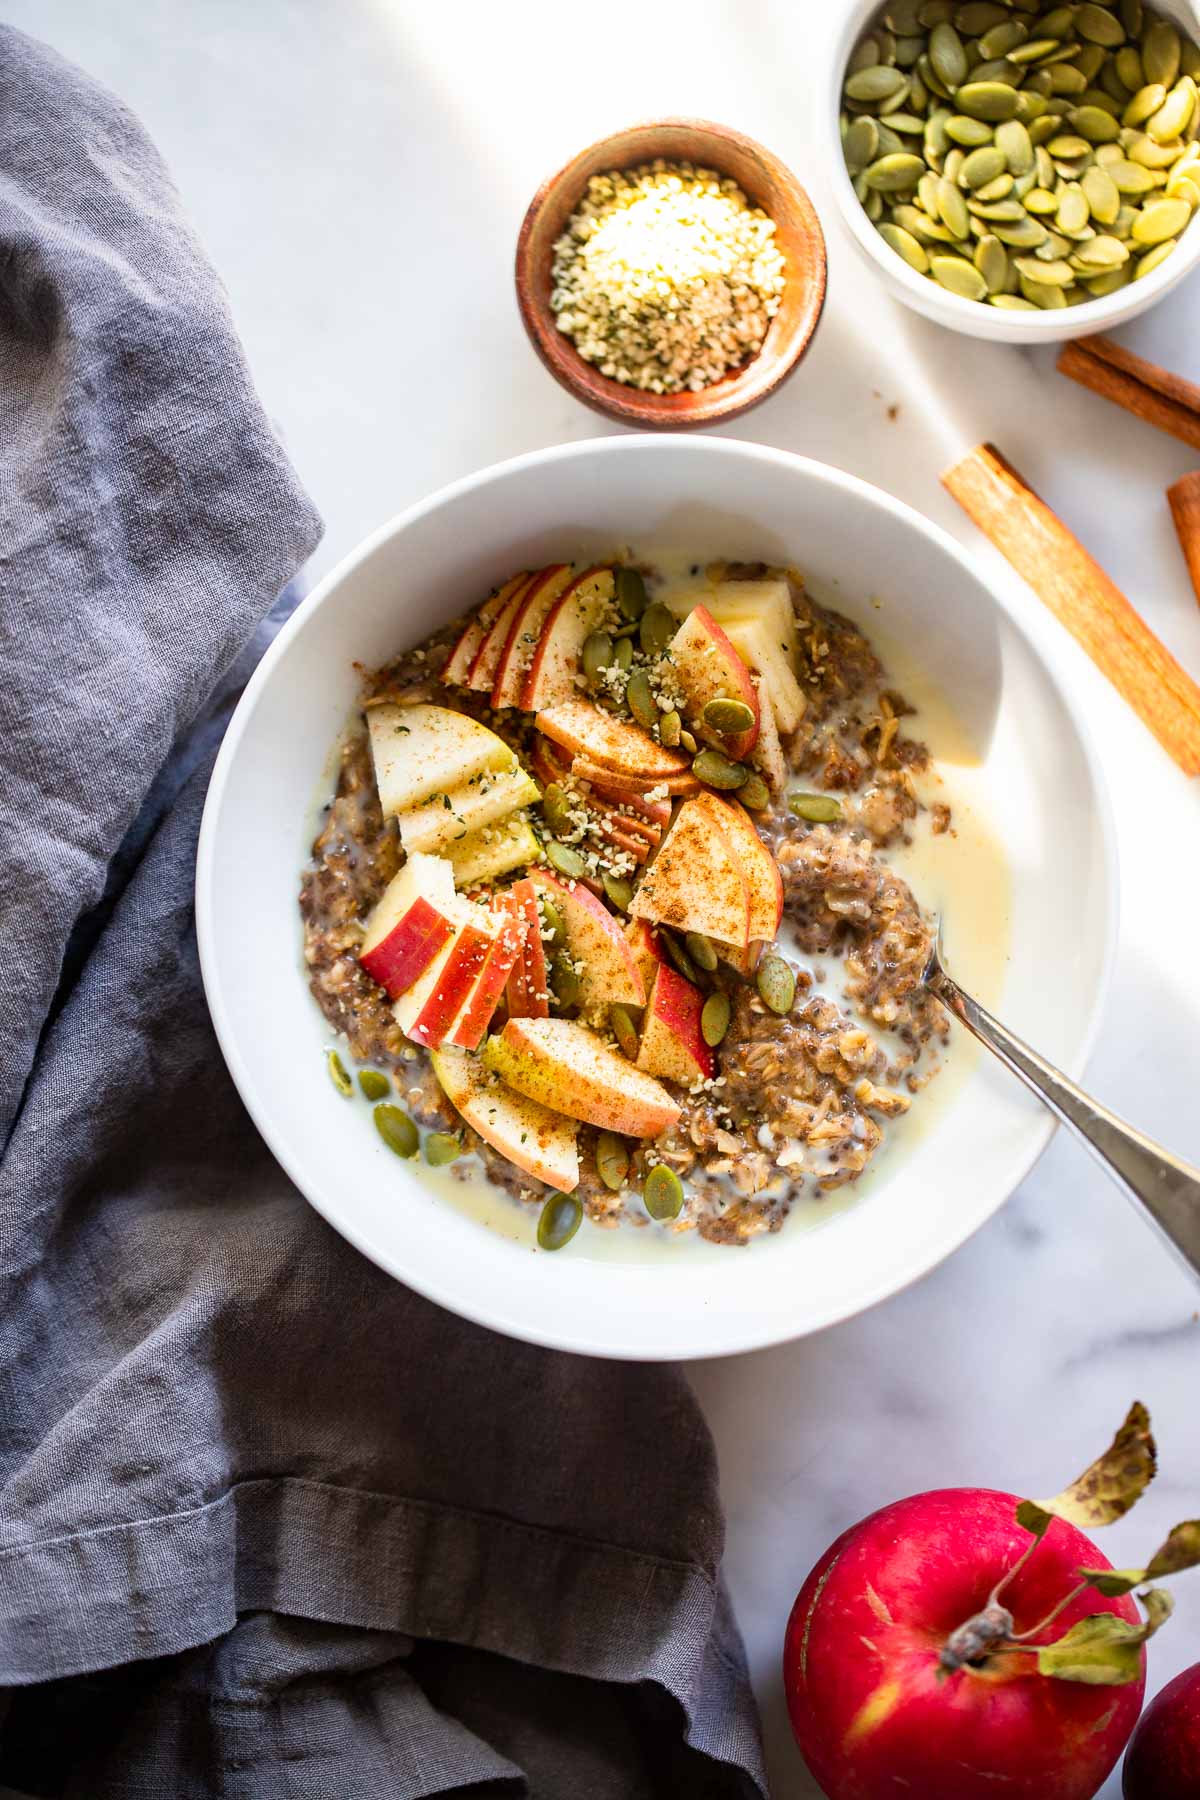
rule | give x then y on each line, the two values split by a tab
734	394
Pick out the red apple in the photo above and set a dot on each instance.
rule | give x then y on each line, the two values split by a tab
672	1043
528	993
763	881
482	672
647	948
609	974
532	1137
479	1009
458	663
555	664
709	668
438	1016
1164	1757
631	798
587	731
625	788
537	600
696	882
874	1711
411	922
560	1063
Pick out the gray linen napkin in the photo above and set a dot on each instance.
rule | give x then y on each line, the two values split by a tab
270	1525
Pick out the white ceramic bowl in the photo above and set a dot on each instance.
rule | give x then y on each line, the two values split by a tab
714	496
971	316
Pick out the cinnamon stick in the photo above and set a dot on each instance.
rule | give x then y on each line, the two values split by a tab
1152	394
1079	593
1184	497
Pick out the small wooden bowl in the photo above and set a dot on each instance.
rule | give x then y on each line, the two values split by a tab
766	183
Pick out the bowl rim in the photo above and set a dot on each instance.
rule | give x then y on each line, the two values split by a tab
972	316
725	399
732	1338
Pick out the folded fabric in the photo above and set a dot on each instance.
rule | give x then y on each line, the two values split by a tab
270	1525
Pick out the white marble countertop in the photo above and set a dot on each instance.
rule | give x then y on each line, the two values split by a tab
358	170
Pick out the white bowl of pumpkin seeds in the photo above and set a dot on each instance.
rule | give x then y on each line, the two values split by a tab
1000	171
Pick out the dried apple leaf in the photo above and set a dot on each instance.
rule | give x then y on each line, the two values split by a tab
1108	1488
1181	1551
1103	1650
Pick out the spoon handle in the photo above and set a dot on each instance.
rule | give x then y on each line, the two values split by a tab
1167	1187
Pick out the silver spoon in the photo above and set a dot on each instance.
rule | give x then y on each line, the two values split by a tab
1168	1188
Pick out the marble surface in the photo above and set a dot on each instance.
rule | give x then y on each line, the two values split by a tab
358	170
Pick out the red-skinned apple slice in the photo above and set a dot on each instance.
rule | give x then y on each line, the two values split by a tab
609	975
626	788
528	992
478	1011
768	754
555	664
561	1061
458	978
534	1138
764	883
648	951
486	661
538	599
673	1044
708	667
586	730
417	750
458	663
411	922
657	812
696	882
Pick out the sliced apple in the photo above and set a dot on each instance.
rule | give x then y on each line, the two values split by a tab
696	882
479	1009
765	655
486	661
767	755
708	667
561	1061
450	816
764	884
528	991
535	1140
626	788
430	1015
672	1043
538	599
587	731
493	850
743	961
647	949
555	665
768	598
418	750
410	923
631	799
609	975
459	662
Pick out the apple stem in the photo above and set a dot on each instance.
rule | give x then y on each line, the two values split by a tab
1023	1637
988	1630
1031	1546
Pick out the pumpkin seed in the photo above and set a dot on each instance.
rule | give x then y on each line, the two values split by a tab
1002	38
1161	52
623	653
558	1221
687	742
1101	193
977	16
612	1160
597	654
631	590
717	771
1072	209
397	1130
754	793
1145	103
1000	189
953	208
338	1074
714	1019
1099	26
991	259
1041	201
662	1193
1023	234
776	983
958	276
1065	79
982	166
1042	294
1153	258
618	891
1131	178
1100	254
1128	66
374	1085
701	950
640	700
1175	114
553	921
568	862
442	1147
671	725
817	809
1132	13
658	626
564	980
860	146
1016	146
971	133
1095	125
991	100
1013	303
1142	149
874	84
907	124
1033	50
624	1030
1160	220
893	173
905	245
1051	274
556	808
1108	283
927	193
680	958
728	717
